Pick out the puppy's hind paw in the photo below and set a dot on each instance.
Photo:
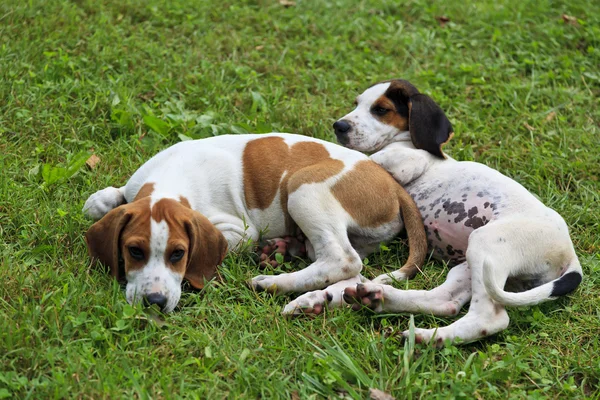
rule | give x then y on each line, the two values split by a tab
368	295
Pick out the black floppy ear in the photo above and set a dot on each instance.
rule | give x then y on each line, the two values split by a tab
429	127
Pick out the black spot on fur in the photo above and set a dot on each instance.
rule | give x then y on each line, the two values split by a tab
455	208
474	221
450	250
486	204
480	194
566	284
437	235
437	213
435	203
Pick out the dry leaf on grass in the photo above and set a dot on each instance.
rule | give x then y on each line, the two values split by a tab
92	161
287	3
531	128
443	20
377	394
550	116
569	19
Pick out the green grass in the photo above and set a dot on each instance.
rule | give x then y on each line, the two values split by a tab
123	79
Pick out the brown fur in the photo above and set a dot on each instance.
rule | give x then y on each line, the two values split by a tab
146	190
372	197
392	117
266	160
129	225
130	222
309	155
368	194
204	245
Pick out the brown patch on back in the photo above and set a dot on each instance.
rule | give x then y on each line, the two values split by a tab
266	160
144	191
315	173
392	118
316	165
369	194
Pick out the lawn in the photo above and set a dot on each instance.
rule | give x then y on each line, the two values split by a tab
520	81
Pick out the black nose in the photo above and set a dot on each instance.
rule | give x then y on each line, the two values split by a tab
155	298
341	129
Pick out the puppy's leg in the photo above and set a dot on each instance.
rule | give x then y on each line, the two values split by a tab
485	316
445	300
323	221
336	261
101	202
404	164
314	302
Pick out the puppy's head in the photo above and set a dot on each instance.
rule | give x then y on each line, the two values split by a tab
154	246
385	111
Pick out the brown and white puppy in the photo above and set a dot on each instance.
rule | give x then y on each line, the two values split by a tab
495	231
182	209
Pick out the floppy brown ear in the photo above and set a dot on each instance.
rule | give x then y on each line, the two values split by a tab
103	239
207	249
429	127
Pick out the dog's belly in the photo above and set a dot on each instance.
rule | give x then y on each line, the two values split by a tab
451	211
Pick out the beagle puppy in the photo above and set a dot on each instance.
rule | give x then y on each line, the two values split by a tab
509	249
182	210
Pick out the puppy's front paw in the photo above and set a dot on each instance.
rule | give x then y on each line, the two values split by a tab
309	303
101	202
264	283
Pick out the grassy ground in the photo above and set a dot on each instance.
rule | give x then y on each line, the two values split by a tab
123	79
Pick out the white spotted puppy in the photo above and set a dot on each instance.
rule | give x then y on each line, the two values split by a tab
180	212
510	249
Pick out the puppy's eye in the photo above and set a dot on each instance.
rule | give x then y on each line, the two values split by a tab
379	110
136	253
176	256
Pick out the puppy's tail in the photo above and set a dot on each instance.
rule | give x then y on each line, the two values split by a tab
560	286
417	240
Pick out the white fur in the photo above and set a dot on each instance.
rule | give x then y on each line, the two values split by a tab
364	122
